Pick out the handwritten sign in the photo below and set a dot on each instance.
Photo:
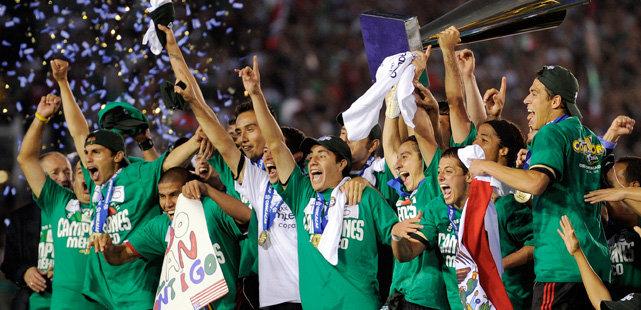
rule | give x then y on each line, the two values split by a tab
191	276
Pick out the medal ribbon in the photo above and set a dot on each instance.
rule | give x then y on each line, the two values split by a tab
320	214
451	214
102	207
369	162
269	210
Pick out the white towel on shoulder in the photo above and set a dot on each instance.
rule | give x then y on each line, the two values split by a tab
331	237
363	114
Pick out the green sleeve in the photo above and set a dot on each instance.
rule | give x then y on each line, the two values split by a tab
299	190
225	222
384	217
468	140
149	241
381	183
547	150
226	176
150	171
52	196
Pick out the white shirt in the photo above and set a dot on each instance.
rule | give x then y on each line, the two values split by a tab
278	257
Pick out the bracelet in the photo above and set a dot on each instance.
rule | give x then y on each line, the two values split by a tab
42	118
396	238
146	144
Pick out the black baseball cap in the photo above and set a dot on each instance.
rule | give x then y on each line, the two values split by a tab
560	81
375	133
107	138
332	143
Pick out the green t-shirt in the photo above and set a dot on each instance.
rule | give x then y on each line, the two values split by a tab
352	282
249	244
625	255
421	279
469	140
575	154
45	259
135	199
71	227
515	232
439	231
151	243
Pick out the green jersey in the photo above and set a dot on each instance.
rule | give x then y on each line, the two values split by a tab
71	227
352	282
625	253
45	259
150	242
440	227
421	279
469	140
575	154
249	244
515	232
134	202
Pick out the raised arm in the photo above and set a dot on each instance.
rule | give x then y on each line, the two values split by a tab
391	130
595	288
426	122
76	122
529	181
494	100
473	100
274	138
230	205
459	121
182	153
28	157
206	117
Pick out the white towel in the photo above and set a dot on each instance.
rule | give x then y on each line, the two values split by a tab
331	237
151	38
363	114
472	152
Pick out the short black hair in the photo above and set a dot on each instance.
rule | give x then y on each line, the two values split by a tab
510	136
177	174
293	138
246	106
231	121
453	153
632	169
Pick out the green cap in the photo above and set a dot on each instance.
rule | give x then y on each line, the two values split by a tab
560	81
333	143
122	117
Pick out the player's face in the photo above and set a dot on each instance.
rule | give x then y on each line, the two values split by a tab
539	105
324	171
101	163
250	136
489	141
168	193
79	185
453	181
58	168
409	165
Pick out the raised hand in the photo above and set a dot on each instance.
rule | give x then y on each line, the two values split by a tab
420	62
466	62
425	99
495	100
171	39
48	105
194	189
188	93
621	126
521	158
411	225
59	69
606	194
250	77
567	234
449	38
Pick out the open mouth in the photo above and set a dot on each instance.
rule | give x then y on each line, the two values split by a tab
404	175
447	192
531	116
271	169
315	175
203	171
171	213
247	149
85	190
93	173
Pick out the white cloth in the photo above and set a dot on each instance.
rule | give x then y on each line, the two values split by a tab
151	38
331	237
363	114
278	257
472	152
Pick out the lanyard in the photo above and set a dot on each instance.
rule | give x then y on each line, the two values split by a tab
319	216
260	164
102	207
526	165
369	162
451	214
269	210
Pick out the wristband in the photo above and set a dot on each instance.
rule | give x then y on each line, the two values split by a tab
42	118
146	144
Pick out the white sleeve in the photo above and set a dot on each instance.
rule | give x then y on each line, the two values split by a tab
253	183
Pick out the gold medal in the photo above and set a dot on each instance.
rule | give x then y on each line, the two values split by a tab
262	238
316	239
522	197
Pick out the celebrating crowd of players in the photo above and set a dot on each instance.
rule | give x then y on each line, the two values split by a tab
270	197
